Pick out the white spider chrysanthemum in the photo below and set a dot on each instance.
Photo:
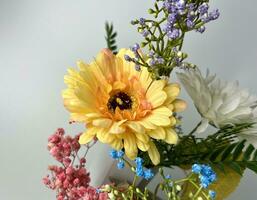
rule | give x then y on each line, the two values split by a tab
250	134
219	102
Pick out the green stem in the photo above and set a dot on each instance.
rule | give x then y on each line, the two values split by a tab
198	192
133	186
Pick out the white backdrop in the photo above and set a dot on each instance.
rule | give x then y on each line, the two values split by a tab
40	39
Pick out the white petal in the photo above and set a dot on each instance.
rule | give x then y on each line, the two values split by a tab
203	126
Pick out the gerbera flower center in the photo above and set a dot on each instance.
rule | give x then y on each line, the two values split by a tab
121	100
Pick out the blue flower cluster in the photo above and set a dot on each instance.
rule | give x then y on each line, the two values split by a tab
212	194
140	171
206	174
118	155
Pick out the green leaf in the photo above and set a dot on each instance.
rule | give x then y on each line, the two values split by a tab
248	152
238	150
228	151
110	37
252	165
215	154
255	156
236	167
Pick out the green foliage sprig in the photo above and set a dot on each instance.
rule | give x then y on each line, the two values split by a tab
111	37
219	149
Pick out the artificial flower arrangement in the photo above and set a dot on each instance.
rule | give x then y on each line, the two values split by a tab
125	99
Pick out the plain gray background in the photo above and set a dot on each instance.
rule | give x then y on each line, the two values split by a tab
39	40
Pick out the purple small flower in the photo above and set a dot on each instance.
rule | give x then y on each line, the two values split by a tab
152	62
172	18
191	7
127	58
145	33
142	21
135	48
214	14
190	23
180	6
173	34
160	60
167	27
201	29
137	68
203	9
151	54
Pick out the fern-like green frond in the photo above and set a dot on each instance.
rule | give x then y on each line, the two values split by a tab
111	37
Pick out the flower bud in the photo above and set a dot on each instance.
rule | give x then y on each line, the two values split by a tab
151	11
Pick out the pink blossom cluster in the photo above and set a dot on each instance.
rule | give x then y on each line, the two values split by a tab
62	147
70	180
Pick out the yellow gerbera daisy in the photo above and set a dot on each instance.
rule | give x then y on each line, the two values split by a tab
121	106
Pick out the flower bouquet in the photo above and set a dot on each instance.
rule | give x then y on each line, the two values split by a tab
126	100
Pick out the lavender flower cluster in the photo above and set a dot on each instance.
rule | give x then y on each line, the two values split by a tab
189	13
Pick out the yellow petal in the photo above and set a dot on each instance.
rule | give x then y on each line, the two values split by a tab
171	107
142	137
117	144
135	126
157	99
117	127
104	136
179	105
171	136
87	136
93	115
105	65
154	154
143	146
87	75
173	121
130	146
145	78
102	122
118	85
160	117
78	117
84	94
156	86
172	91
147	124
158	134
162	111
